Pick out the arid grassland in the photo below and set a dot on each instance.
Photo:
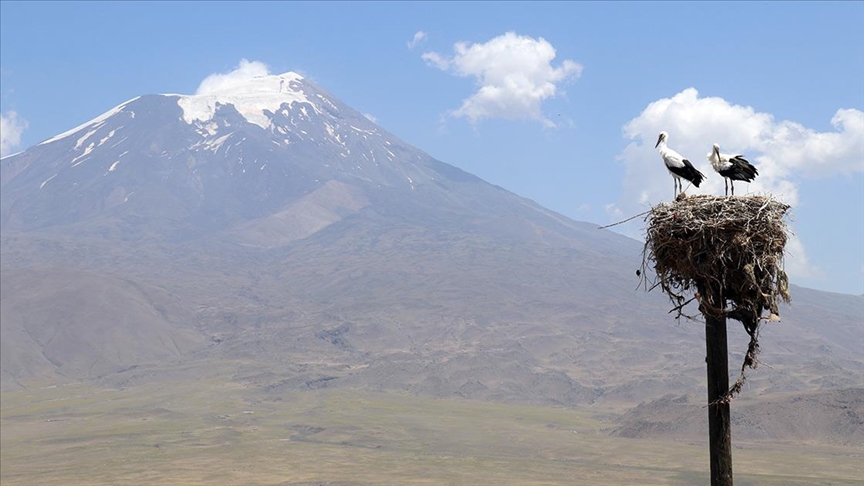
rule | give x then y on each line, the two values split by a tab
210	431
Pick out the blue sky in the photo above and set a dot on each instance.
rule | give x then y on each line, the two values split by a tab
560	102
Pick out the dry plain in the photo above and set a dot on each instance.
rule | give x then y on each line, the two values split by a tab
211	431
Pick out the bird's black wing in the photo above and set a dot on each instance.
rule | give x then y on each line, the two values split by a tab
688	172
741	169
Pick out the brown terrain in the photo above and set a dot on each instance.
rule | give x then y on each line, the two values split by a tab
184	322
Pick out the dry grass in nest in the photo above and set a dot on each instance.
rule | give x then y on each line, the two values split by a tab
709	244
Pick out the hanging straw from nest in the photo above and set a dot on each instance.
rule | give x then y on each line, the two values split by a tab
734	244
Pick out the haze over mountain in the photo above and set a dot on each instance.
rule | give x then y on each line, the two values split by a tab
271	225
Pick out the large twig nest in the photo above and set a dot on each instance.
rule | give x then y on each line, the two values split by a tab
730	245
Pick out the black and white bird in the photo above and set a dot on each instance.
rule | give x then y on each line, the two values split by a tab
678	166
732	168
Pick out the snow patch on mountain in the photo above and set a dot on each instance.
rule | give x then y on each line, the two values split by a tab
98	120
88	134
46	181
81	158
105	139
251	99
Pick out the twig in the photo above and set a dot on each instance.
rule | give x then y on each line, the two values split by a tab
680	307
628	219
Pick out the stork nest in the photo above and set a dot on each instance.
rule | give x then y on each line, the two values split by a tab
728	246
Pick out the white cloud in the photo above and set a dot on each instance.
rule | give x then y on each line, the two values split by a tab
784	152
245	71
371	118
419	37
514	75
11	128
436	60
796	262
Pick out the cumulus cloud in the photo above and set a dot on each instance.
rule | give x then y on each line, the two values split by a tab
436	60
244	71
796	262
419	37
11	128
784	151
514	76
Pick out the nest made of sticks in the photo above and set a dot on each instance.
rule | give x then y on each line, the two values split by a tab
732	245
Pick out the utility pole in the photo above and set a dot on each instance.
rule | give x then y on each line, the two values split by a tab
730	251
717	359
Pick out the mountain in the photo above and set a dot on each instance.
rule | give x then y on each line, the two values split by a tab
262	164
832	416
270	226
86	324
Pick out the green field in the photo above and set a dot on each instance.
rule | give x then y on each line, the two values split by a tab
211	431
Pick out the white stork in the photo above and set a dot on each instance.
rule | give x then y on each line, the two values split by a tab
732	168
678	166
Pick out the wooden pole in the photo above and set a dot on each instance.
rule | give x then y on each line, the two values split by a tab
717	359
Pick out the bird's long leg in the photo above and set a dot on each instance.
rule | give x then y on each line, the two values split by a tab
732	183
726	184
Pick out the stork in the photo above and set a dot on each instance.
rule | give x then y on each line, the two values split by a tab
678	166
732	168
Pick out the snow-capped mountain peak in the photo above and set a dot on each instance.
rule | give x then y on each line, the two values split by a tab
223	159
251	99
257	100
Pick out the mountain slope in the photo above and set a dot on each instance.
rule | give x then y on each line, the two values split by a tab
188	166
314	249
833	416
72	324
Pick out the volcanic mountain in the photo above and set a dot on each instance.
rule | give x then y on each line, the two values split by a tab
265	163
271	226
